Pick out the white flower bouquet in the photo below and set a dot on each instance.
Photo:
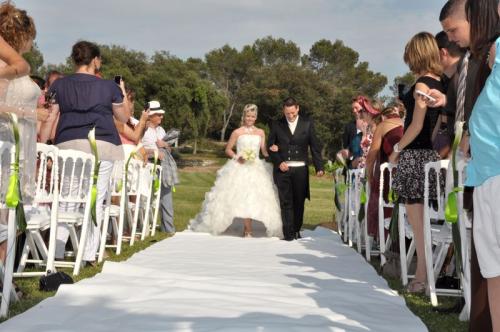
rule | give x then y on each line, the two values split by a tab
248	155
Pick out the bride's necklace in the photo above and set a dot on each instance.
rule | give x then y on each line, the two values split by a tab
248	129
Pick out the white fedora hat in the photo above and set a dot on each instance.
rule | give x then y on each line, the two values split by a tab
155	108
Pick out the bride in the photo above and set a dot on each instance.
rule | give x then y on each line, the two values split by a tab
243	188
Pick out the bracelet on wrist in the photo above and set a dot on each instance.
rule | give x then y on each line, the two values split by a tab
396	148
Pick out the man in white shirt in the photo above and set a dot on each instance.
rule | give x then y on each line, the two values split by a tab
289	142
152	141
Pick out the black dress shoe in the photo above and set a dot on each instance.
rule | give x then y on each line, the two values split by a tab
288	239
298	236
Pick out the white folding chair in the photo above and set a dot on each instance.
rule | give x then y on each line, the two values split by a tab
354	187
437	237
8	232
339	215
76	169
143	202
132	191
465	227
111	211
383	223
42	215
156	201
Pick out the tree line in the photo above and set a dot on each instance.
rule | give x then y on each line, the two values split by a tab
204	97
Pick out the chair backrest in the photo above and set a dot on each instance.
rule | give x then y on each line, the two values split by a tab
146	179
7	150
47	178
134	177
386	175
76	169
354	187
116	179
438	168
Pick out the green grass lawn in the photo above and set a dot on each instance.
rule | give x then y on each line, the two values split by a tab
188	198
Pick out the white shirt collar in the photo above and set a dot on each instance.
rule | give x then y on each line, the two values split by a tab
294	123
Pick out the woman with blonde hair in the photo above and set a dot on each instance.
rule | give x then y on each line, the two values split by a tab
414	149
244	187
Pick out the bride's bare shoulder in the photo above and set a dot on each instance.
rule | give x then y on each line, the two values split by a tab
237	132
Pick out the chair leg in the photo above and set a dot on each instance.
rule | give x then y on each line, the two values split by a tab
24	256
136	219
104	234
9	264
145	224
431	281
40	245
74	238
156	212
402	248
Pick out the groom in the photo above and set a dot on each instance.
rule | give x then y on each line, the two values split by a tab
293	135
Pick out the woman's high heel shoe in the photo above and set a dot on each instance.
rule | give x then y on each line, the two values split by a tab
247	234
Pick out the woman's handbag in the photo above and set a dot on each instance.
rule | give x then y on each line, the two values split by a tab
52	281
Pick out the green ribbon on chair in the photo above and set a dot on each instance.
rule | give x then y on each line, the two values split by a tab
156	179
13	197
97	164
451	209
362	201
340	189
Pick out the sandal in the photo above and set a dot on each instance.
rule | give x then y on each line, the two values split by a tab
415	287
247	234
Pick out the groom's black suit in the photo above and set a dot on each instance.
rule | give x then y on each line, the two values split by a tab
293	185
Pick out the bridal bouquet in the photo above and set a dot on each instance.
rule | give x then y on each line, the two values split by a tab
248	155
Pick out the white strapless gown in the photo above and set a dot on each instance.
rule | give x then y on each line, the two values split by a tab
241	191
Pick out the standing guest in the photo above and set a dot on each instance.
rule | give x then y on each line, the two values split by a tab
368	114
44	102
483	168
153	141
456	24
132	131
352	136
414	149
450	54
82	102
15	66
19	96
389	132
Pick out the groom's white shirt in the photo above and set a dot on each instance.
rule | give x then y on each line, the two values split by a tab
292	126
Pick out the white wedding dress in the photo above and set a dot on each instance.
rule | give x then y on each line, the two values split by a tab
241	191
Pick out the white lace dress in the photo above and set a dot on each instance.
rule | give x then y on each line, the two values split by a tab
241	191
21	96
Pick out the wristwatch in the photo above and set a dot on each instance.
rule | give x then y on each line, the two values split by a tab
396	148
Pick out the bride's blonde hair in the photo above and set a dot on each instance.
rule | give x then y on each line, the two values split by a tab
247	109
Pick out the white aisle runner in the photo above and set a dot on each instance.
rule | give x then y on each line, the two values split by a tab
197	282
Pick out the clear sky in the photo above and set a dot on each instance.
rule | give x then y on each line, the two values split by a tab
377	29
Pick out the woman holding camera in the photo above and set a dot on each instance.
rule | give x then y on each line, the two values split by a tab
82	101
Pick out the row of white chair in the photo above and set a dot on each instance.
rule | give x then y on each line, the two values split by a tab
437	233
62	198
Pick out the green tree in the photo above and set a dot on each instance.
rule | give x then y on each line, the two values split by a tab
407	80
35	60
229	70
276	51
